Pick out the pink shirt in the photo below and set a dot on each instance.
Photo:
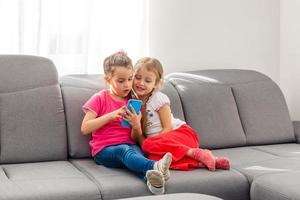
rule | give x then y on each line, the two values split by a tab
111	133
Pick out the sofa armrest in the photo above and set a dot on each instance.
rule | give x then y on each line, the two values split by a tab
296	125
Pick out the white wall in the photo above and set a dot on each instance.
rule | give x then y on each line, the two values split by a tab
205	34
290	54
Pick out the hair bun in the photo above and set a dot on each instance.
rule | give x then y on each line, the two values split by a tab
122	52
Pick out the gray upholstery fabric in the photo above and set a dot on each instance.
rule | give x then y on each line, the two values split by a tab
120	183
178	196
278	165
243	155
296	125
74	98
211	110
263	113
221	183
32	122
45	181
92	81
223	76
260	103
282	150
76	90
25	72
176	105
281	186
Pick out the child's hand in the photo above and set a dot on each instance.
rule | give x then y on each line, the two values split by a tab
133	119
119	113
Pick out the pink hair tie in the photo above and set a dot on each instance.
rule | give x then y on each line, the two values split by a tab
122	52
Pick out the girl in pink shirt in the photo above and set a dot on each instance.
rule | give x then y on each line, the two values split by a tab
111	144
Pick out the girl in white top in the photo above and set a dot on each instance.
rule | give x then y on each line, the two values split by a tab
160	132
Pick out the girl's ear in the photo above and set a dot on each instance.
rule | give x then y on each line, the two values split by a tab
107	78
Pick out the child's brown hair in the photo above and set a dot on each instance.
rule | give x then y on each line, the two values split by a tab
118	59
153	65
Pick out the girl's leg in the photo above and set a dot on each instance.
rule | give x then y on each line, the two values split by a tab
162	165
125	155
131	157
204	156
222	163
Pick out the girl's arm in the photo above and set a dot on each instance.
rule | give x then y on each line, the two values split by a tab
137	135
165	118
135	122
91	122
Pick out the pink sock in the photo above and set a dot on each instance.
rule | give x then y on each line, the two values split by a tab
222	163
201	165
206	157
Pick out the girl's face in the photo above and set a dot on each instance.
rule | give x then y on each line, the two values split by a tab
120	82
144	82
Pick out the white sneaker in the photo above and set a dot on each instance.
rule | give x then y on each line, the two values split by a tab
155	182
163	165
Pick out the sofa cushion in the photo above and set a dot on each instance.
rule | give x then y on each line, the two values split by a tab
244	155
76	90
175	101
32	122
263	112
121	183
281	150
74	98
47	180
176	196
211	110
296	125
281	186
275	166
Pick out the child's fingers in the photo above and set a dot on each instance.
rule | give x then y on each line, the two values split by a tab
122	110
126	109
139	116
127	112
132	110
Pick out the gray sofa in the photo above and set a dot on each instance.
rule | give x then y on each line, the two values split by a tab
240	114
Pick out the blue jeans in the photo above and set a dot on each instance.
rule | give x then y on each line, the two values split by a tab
125	155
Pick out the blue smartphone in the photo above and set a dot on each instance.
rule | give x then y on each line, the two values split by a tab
137	105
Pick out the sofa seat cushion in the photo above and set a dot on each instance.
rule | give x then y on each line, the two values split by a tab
45	180
278	165
281	186
177	196
282	150
243	155
120	183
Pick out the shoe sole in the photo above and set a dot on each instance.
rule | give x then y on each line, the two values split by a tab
168	157
154	177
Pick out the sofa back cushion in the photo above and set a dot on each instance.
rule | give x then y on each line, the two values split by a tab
211	110
263	112
76	90
259	106
32	122
175	101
